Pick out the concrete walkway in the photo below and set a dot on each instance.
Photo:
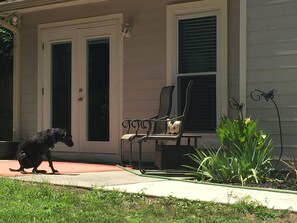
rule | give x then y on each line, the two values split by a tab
132	182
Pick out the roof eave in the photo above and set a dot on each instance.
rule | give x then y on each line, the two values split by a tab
24	6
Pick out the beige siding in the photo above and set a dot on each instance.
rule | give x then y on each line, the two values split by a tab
272	64
28	81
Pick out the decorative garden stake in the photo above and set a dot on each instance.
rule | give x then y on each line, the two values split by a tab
256	96
235	105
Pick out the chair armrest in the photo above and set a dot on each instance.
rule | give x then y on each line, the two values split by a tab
141	123
148	123
175	118
126	123
131	123
163	118
137	123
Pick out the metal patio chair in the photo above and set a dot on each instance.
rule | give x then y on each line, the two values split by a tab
165	136
165	105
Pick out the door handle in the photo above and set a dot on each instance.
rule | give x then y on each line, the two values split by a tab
80	99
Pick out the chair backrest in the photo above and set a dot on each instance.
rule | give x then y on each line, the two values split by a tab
186	108
165	106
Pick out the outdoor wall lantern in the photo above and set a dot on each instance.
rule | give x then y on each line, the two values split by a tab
126	30
11	19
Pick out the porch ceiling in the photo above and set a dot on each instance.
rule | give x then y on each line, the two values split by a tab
23	6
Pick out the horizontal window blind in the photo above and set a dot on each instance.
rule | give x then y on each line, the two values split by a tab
197	45
197	53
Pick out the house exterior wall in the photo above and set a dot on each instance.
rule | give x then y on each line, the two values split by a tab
144	67
271	64
146	46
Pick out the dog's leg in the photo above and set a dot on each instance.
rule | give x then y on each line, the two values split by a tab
38	161
38	171
49	159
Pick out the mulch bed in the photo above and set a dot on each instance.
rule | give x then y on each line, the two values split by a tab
281	185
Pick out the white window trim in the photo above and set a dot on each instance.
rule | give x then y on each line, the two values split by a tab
242	55
219	8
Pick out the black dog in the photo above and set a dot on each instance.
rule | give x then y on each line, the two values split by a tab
31	150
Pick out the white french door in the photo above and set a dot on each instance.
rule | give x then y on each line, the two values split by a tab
81	86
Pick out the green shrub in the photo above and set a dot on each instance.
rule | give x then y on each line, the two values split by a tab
244	155
6	42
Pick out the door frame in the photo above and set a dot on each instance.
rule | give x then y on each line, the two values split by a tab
99	21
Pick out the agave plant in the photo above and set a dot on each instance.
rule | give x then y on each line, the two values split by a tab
244	155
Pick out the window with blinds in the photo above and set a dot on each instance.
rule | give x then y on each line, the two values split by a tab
197	60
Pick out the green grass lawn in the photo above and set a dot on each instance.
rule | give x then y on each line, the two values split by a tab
36	202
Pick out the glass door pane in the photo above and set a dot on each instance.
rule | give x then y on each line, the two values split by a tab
61	85
98	89
6	85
